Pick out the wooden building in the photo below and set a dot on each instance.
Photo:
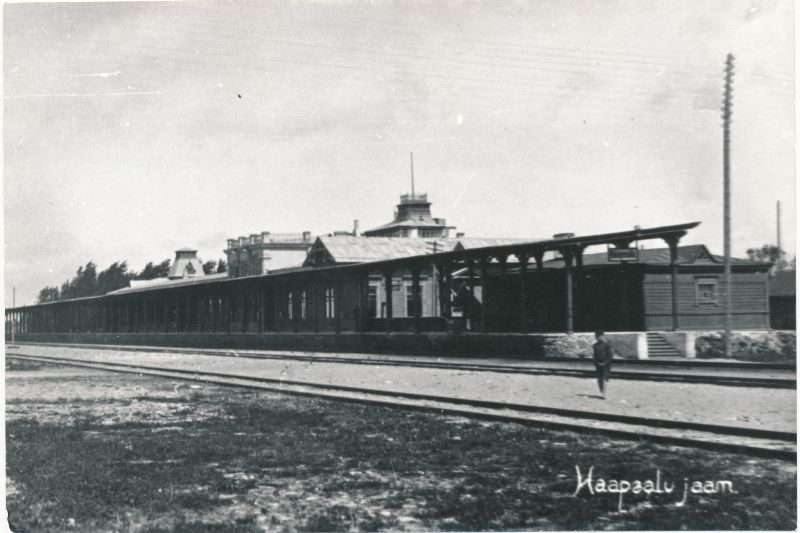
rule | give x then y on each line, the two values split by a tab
782	299
332	293
498	286
637	295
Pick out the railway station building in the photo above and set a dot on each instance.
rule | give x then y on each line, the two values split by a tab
431	281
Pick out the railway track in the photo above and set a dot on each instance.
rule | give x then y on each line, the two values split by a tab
736	439
623	369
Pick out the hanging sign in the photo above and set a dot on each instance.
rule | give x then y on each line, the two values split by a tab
621	255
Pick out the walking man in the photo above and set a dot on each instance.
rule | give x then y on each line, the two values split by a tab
603	354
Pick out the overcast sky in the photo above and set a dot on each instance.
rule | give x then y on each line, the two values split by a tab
134	129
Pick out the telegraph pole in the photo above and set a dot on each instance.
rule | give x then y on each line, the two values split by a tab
13	306
780	250
726	147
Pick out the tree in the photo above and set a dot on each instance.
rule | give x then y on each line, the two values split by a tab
48	294
769	253
222	266
83	284
114	277
152	271
209	267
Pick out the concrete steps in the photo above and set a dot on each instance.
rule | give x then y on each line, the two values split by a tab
657	346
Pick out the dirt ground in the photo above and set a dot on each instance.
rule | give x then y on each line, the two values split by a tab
96	451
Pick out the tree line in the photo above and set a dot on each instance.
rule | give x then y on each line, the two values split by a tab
769	253
87	281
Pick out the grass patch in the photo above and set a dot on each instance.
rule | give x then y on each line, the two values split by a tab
20	365
285	463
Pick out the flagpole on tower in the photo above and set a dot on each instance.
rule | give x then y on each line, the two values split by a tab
412	174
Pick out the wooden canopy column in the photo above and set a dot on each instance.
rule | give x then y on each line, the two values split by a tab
484	265
568	257
262	307
444	289
226	312
538	257
315	299
188	315
577	284
179	314
244	308
201	310
165	313
297	308
215	311
470	308
415	298
672	242
337	311
276	312
361	312
523	292
387	286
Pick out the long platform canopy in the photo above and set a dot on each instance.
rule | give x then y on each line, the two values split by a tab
535	248
529	249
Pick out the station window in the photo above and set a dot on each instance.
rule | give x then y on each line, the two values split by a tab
289	306
410	299
705	291
372	300
303	305
330	303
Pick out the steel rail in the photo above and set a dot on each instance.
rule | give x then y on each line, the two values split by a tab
576	426
737	431
711	379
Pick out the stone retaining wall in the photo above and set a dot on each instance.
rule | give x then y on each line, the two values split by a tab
532	346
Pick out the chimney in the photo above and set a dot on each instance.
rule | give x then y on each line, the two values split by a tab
563	235
265	236
355	228
306	236
459	234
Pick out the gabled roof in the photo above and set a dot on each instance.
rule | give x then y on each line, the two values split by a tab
349	249
280	259
783	283
691	254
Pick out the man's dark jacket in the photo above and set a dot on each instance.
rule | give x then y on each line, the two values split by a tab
603	353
